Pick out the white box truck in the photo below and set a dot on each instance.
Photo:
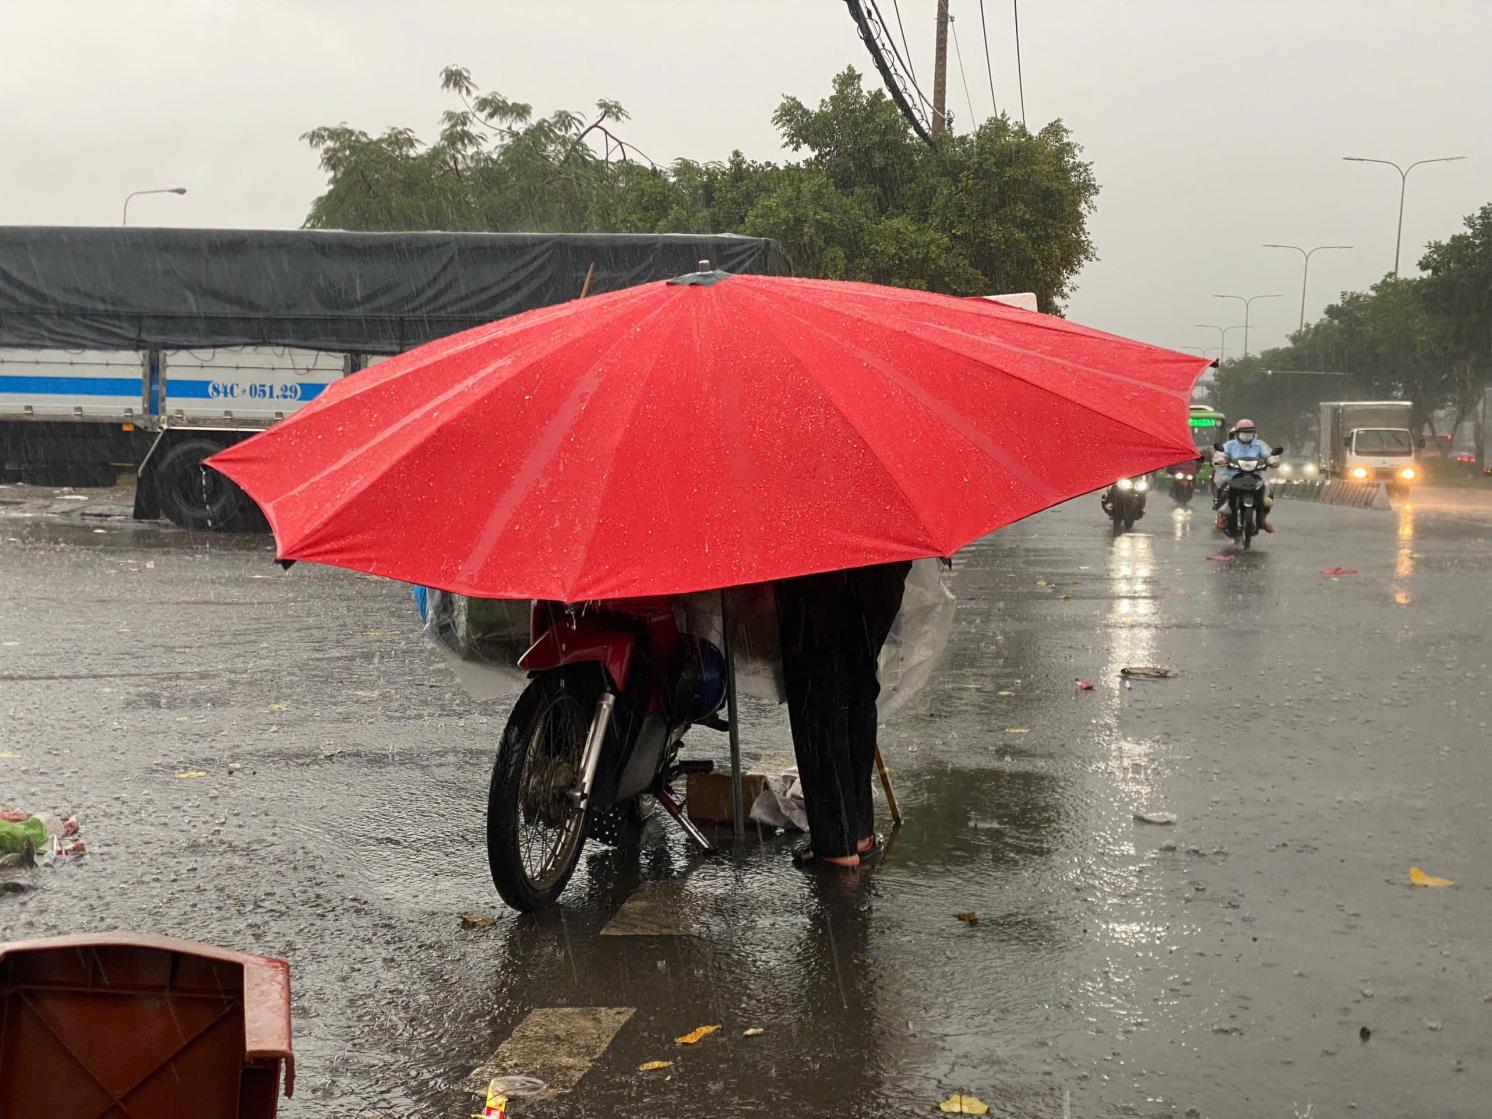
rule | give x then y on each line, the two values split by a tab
1369	441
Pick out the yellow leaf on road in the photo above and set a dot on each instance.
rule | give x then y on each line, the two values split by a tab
1017	730
1005	693
475	920
694	1035
191	773
960	1104
754	1031
1417	877
654	1066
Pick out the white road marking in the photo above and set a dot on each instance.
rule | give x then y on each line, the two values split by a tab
557	1044
655	909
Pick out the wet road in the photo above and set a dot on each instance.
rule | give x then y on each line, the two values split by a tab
1324	735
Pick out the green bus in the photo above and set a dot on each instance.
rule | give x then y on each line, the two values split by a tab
1208	426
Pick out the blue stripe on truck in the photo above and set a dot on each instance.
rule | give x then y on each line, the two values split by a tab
71	386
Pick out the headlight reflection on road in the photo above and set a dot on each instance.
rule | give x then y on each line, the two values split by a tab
1404	560
1130	628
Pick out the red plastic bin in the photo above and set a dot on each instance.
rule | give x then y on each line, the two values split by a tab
115	1025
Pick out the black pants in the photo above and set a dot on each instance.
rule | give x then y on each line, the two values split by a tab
833	626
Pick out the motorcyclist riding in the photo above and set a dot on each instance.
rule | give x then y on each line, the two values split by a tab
1243	442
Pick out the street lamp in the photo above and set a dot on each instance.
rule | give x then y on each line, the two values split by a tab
1305	275
1222	336
1247	303
1403	183
131	194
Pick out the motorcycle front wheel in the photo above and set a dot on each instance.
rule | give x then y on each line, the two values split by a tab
535	830
1247	526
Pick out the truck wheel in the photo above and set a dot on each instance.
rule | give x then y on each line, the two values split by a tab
195	497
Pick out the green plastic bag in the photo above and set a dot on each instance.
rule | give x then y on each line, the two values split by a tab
15	837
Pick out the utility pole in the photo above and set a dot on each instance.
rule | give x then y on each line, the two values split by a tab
940	72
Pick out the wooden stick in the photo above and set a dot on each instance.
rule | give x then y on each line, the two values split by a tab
585	288
886	785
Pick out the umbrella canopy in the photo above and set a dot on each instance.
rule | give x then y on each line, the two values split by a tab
706	432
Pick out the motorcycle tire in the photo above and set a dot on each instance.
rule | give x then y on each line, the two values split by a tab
1118	519
537	763
1129	522
1246	528
1183	497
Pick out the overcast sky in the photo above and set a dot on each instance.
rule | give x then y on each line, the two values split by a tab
1212	126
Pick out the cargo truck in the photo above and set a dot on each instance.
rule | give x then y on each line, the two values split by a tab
151	349
1369	441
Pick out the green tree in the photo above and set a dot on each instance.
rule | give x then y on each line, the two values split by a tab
997	210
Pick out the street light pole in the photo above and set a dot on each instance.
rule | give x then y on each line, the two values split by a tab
1247	302
1403	185
162	190
1306	273
1222	336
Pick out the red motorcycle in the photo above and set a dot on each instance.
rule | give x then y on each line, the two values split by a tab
613	688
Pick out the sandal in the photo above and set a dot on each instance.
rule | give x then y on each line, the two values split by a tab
805	859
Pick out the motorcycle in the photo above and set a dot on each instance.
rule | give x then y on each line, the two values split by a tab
1124	502
1247	502
613	688
1183	480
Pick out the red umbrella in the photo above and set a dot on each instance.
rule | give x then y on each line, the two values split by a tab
706	432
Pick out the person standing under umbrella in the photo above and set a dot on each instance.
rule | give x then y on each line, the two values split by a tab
833	625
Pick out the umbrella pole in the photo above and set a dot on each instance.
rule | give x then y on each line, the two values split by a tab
738	813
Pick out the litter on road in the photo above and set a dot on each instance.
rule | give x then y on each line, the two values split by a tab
1417	877
961	1103
695	1035
1148	672
1162	818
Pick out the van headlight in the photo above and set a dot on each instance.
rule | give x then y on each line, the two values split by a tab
1408	474
1359	472
1142	485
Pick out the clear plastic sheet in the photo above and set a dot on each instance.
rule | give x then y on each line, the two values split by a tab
482	639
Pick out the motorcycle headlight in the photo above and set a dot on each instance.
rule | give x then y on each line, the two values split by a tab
1142	485
1126	484
1310	469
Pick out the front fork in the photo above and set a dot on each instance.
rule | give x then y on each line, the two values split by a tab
590	758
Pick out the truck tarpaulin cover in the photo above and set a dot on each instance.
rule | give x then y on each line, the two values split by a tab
378	293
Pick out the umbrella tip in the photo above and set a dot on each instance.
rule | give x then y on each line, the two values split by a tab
704	277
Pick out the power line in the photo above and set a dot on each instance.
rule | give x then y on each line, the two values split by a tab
1020	80
876	18
959	54
910	68
871	33
988	69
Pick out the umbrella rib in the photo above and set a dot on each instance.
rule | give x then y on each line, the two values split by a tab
852	313
500	515
927	533
942	410
311	527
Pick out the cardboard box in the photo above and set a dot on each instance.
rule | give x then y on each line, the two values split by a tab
708	796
